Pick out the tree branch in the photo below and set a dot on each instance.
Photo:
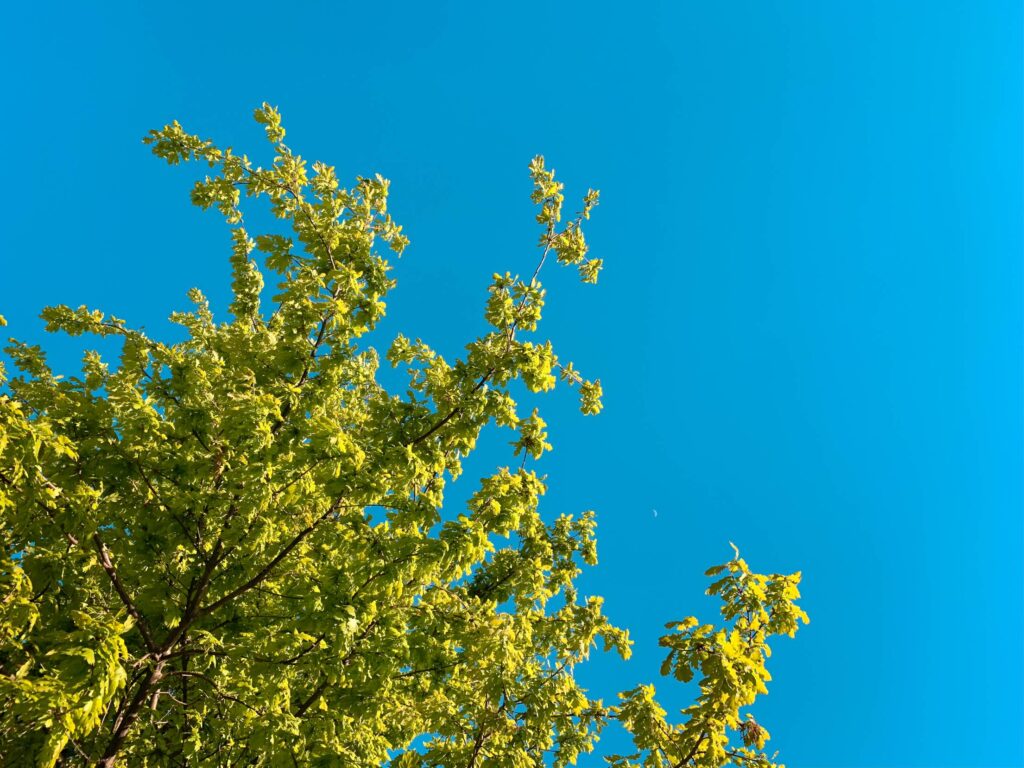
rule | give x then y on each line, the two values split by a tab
292	659
550	242
313	697
344	662
111	572
692	752
477	745
216	688
265	570
127	718
50	511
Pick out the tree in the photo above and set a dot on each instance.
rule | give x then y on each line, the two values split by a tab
231	550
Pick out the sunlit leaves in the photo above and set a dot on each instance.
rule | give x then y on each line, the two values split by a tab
235	548
729	663
270	118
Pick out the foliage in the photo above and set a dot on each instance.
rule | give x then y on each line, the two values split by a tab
231	550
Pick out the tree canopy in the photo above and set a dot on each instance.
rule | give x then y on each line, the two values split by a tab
233	550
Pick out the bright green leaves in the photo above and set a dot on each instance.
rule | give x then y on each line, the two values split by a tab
590	397
403	351
644	718
279	251
75	322
234	549
729	662
569	243
247	282
532	437
512	304
270	119
18	612
175	145
589	268
460	398
571	247
547	193
336	228
503	499
62	688
219	192
766	603
536	363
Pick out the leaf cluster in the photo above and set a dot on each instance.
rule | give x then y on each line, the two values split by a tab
234	549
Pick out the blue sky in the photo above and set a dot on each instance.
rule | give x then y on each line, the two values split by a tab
809	328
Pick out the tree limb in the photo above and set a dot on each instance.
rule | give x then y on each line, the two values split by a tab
111	572
265	570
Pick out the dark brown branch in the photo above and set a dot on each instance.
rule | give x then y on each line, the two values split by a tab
122	593
265	570
374	576
127	718
292	659
193	651
301	202
312	697
477	745
425	670
692	752
286	409
737	756
149	485
191	612
452	413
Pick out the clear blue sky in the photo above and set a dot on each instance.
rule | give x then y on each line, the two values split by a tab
809	328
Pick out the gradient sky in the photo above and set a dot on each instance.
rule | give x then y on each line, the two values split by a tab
809	328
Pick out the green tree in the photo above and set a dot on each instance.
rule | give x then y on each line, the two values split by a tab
231	550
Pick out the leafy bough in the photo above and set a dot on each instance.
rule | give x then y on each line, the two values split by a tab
230	550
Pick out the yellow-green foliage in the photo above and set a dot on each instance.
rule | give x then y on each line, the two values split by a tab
231	550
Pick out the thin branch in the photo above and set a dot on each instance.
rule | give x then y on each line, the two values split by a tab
305	705
550	240
453	412
265	570
692	752
216	688
191	612
50	511
111	572
292	659
415	672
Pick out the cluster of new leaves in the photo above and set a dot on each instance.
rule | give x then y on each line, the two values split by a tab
231	550
731	663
